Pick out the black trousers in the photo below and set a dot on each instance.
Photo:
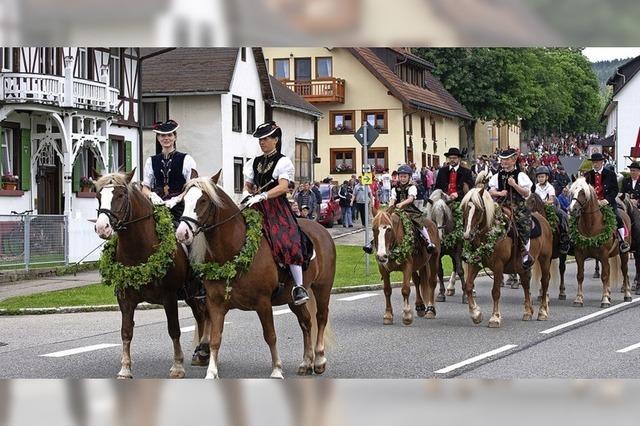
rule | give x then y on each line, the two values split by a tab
360	210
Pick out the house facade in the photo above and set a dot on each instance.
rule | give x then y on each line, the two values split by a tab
489	136
416	118
66	114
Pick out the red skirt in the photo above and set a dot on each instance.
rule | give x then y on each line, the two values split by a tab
281	230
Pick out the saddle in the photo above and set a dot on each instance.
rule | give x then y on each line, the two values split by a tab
536	229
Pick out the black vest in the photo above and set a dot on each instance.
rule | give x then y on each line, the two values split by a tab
263	170
402	192
503	177
176	181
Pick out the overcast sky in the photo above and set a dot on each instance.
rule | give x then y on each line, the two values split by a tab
596	54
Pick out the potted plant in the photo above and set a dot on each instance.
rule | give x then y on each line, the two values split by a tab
87	184
10	182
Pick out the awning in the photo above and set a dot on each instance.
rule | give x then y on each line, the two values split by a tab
608	142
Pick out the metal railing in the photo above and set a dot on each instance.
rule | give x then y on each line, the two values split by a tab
28	240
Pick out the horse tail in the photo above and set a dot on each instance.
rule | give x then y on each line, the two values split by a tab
615	272
554	282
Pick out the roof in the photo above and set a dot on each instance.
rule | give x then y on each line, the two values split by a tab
195	71
434	98
288	99
623	74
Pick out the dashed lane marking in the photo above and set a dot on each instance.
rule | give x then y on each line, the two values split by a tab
628	348
81	350
357	297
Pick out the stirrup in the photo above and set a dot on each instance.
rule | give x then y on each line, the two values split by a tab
624	247
302	299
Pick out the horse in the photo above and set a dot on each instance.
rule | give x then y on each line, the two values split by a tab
479	216
585	209
388	232
438	211
558	260
631	208
214	227
124	209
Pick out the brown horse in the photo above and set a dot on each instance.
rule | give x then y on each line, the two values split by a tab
479	215
388	233
124	209
585	209
631	208
536	205
218	234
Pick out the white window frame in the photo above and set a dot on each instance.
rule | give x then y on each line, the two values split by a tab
7	58
6	145
114	68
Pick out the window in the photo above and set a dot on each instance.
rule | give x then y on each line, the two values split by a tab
47	60
114	68
251	116
377	159
82	63
236	112
154	110
436	161
303	69
424	159
343	160
6	59
281	69
324	67
433	131
378	119
341	122
422	127
10	150
117	162
303	161
243	54
238	176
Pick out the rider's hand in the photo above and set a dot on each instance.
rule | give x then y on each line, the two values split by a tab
171	202
453	196
603	202
256	199
511	181
155	199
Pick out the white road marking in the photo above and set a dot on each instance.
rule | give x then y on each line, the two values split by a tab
628	348
475	359
188	329
588	317
357	297
81	350
282	312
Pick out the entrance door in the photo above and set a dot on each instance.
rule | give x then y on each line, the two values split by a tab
49	194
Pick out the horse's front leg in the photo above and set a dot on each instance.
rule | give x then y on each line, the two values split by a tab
304	320
496	318
624	265
442	294
387	319
579	300
562	266
217	312
171	311
265	313
407	315
605	277
428	275
127	309
474	310
525	280
417	283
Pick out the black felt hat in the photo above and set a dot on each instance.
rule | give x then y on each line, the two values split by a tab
270	128
634	165
165	128
507	153
453	152
596	156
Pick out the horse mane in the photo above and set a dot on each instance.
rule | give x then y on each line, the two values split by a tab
438	194
482	200
383	217
120	179
535	203
581	184
482	179
211	190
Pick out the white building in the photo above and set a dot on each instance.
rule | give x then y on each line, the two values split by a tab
219	96
623	112
66	113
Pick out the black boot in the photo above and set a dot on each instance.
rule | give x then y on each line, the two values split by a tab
565	243
299	295
527	260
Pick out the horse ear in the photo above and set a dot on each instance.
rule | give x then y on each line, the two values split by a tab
216	177
129	175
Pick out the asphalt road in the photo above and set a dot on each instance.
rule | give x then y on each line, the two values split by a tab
364	347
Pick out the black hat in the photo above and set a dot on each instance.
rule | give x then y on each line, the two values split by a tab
634	165
507	153
270	128
596	156
165	128
453	152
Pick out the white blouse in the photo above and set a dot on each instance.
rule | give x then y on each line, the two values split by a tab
546	193
149	178
284	169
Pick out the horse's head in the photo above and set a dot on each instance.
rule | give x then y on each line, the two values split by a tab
442	216
581	194
114	204
478	210
201	199
535	203
384	235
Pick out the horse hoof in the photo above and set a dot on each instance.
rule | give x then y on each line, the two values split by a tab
124	376
305	370
605	305
542	317
562	297
451	292
628	298
320	368
494	323
420	310
441	297
431	312
477	319
407	320
387	321
176	373
526	317
578	304
277	374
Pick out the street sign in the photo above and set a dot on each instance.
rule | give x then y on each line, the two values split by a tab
367	178
372	134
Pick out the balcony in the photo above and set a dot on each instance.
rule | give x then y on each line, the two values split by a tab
319	91
50	90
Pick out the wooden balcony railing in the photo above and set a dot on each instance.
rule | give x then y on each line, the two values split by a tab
325	90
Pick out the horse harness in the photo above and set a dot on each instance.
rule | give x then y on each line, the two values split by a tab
121	224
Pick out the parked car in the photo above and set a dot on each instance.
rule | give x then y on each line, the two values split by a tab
330	210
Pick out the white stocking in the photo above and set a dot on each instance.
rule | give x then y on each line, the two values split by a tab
621	232
296	272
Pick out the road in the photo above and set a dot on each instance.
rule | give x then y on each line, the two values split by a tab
88	344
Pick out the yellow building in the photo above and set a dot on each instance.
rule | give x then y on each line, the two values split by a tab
418	120
489	137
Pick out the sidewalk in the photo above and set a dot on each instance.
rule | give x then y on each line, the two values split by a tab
23	288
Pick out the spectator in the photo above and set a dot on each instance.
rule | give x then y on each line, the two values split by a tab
306	198
564	199
385	187
359	195
316	191
346	203
294	208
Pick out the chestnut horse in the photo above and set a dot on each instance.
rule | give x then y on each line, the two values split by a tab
439	211
216	232
631	208
124	209
585	209
479	215
388	233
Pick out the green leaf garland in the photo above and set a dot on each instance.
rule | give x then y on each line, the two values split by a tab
240	264
401	252
120	276
551	216
583	241
450	240
474	255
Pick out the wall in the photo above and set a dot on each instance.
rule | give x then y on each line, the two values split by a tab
294	125
628	120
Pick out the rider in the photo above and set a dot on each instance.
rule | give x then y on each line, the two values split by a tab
512	186
605	183
452	177
267	180
547	193
631	184
402	197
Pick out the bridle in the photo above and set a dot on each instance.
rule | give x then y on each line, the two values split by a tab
121	224
577	212
201	227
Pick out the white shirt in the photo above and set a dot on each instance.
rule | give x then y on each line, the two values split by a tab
413	192
149	178
283	170
546	192
386	181
523	181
